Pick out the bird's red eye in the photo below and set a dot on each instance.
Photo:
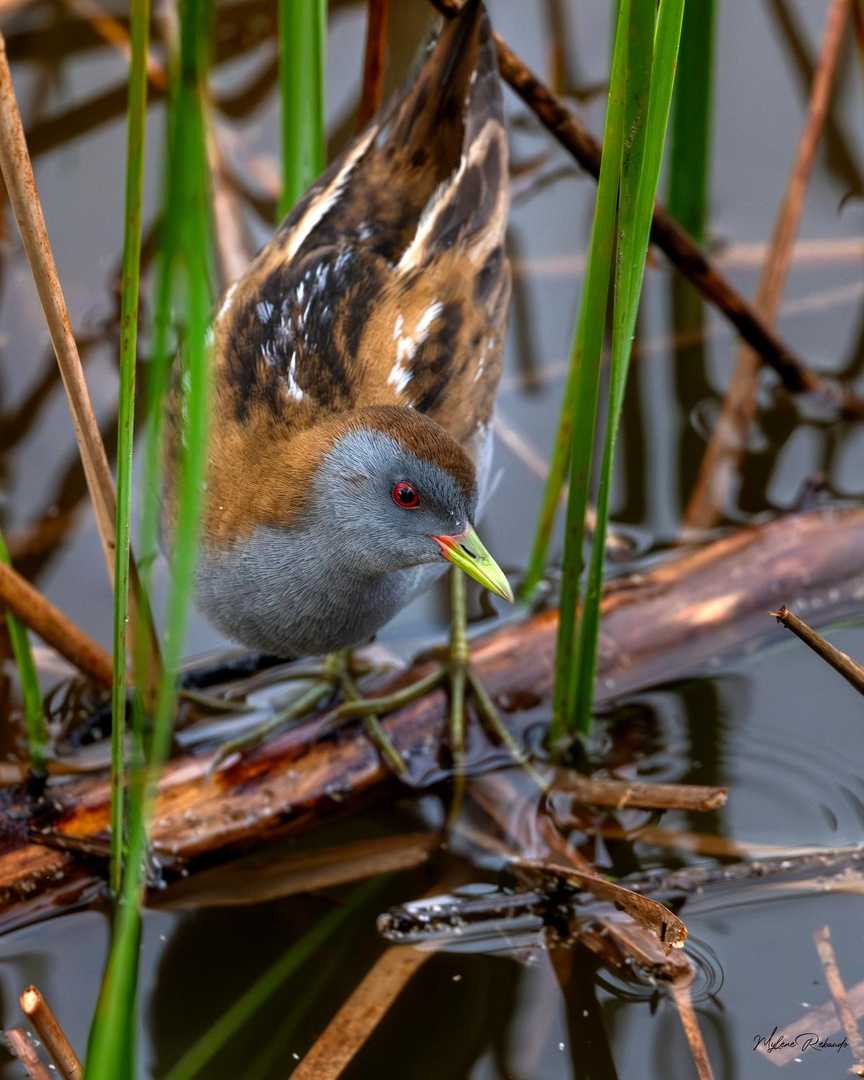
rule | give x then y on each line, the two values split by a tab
405	495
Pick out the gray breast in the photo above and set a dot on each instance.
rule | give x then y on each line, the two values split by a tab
275	596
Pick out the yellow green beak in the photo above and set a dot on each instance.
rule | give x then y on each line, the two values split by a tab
467	552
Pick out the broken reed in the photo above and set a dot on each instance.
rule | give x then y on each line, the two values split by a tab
643	68
183	297
34	715
302	41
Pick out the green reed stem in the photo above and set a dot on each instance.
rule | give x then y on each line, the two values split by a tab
578	424
689	151
302	44
34	714
136	130
202	1052
184	278
650	81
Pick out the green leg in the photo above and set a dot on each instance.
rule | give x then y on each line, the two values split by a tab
376	733
326	682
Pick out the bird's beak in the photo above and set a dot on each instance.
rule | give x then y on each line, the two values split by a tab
467	552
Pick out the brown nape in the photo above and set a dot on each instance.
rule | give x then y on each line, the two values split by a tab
259	474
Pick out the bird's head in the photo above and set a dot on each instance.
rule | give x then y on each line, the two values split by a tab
394	490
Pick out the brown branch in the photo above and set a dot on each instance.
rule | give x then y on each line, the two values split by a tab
684	254
851	671
373	64
834	980
55	629
45	1024
728	442
20	1045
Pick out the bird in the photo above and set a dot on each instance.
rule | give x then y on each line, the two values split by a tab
354	371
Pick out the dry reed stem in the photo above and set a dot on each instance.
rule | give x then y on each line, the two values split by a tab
17	171
822	941
348	1031
45	1024
27	1054
728	443
55	629
373	63
851	671
684	254
21	186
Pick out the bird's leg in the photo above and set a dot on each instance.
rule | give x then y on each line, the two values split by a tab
326	681
376	733
464	681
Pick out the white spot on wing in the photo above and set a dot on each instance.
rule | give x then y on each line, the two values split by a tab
407	345
226	303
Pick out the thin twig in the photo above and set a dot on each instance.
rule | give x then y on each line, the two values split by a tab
45	1024
55	629
728	442
373	64
853	673
685	255
822	941
20	1045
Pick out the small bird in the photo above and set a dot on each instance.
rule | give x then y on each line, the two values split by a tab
355	366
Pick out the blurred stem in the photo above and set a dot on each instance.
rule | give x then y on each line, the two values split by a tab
37	732
691	120
136	130
302	42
